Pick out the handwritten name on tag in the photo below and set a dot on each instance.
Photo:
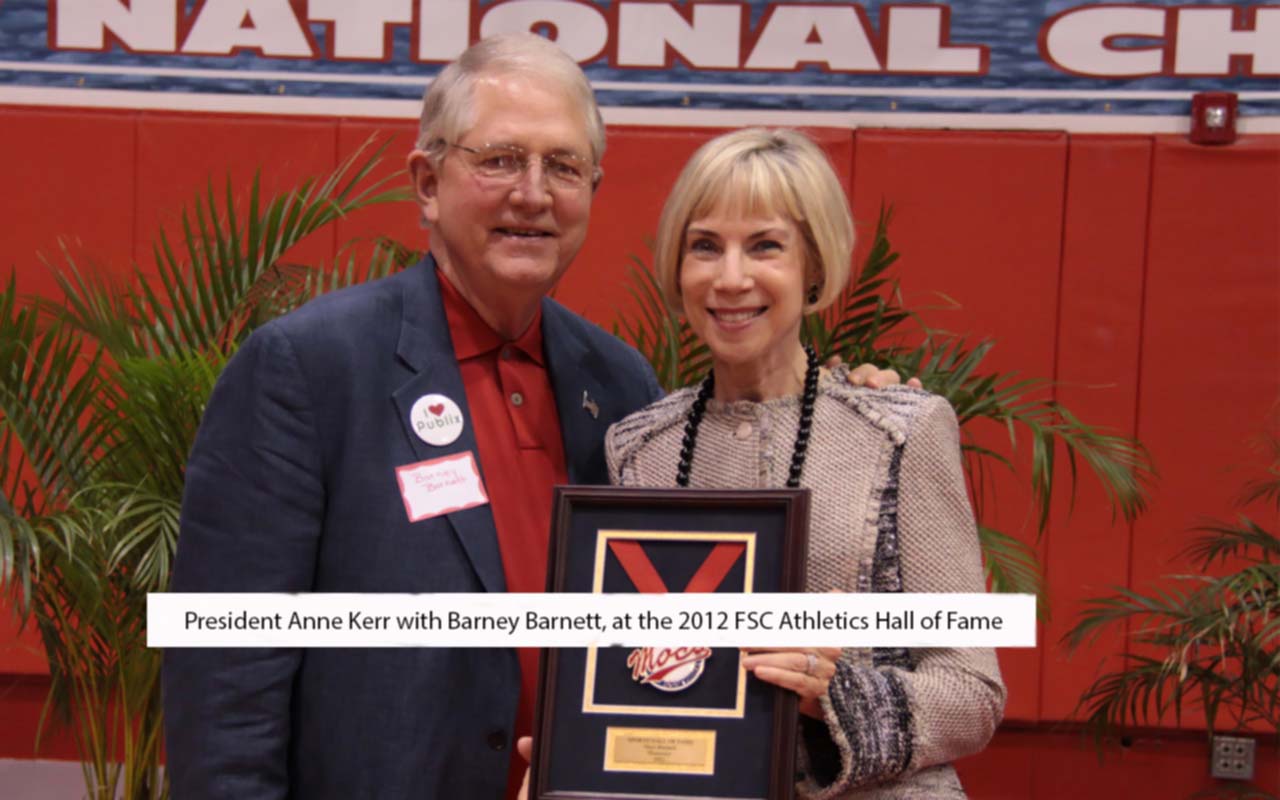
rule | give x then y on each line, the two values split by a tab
440	486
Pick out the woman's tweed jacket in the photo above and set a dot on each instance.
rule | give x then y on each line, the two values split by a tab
889	514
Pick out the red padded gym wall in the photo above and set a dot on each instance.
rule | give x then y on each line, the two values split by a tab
640	165
68	174
1099	326
1169	295
978	221
398	221
1209	381
179	156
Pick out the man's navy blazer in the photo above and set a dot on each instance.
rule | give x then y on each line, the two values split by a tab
291	487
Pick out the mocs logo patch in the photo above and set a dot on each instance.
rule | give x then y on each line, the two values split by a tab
670	669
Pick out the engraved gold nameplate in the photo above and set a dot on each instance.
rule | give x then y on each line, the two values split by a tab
660	750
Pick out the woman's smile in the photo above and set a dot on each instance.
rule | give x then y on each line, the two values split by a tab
734	318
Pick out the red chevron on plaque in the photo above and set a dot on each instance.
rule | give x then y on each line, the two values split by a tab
672	669
707	579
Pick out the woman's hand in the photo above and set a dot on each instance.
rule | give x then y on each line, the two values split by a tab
806	672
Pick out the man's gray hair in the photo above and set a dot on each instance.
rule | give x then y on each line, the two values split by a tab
447	110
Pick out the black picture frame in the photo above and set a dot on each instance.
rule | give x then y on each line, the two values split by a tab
597	732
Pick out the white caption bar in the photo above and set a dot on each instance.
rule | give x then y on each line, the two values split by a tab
581	620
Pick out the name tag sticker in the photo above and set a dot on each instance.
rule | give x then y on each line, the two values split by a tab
441	486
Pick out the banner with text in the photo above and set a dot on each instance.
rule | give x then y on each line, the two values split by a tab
1053	64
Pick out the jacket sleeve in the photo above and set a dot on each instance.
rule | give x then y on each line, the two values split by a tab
930	706
251	521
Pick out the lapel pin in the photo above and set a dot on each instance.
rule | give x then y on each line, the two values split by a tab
590	405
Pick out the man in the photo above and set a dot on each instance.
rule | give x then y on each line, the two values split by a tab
301	476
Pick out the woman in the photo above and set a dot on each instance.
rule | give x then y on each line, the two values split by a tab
757	233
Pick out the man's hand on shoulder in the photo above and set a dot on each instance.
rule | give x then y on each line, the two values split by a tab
872	377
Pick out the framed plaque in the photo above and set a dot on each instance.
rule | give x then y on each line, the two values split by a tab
655	723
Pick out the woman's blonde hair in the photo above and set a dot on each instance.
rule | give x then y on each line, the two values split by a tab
762	172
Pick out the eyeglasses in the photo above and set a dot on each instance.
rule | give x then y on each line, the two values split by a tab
507	163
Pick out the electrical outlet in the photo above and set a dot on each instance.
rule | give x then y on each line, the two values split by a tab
1232	758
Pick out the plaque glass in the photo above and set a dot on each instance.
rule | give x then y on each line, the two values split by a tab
667	722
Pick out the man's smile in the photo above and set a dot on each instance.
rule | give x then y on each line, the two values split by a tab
523	232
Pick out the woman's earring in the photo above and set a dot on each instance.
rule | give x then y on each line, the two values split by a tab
812	297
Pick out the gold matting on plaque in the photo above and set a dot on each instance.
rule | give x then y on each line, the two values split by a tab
660	750
589	704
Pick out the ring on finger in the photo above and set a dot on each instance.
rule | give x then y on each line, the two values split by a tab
811	663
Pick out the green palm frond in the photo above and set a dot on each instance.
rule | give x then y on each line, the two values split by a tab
1121	465
1245	539
1143	692
95	302
92	622
387	257
1011	566
155	405
1100	613
47	386
1197	641
147	537
1266	487
661	334
20	557
207	289
869	308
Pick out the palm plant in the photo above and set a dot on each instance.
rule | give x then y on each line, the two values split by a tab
1204	642
100	398
868	326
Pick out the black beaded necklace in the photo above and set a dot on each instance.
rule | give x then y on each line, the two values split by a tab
699	408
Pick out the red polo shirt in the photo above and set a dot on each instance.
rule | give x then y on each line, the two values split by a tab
513	415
